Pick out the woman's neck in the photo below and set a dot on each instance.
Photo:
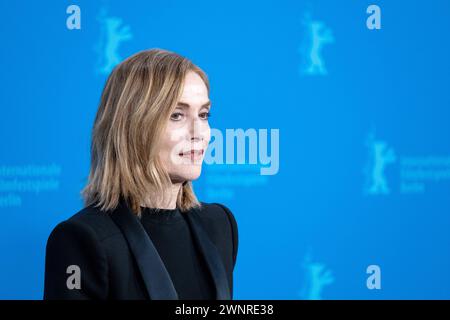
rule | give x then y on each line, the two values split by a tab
171	203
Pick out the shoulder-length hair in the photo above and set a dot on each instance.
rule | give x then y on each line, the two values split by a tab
139	96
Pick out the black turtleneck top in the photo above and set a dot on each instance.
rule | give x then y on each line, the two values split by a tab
171	235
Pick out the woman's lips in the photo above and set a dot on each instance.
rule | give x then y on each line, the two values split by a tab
194	155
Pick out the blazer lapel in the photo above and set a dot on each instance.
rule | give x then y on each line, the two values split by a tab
211	255
157	280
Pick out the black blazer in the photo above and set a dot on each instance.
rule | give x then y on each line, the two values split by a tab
118	260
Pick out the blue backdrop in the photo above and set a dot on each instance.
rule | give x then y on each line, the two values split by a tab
363	118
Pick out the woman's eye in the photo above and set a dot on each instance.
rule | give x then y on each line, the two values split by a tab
205	115
176	116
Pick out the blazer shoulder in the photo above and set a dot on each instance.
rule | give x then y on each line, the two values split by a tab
215	211
94	220
76	242
222	216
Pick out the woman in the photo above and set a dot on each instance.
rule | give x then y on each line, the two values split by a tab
143	234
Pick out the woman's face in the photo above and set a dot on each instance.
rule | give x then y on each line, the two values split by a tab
188	133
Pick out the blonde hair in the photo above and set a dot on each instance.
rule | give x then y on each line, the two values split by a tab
139	96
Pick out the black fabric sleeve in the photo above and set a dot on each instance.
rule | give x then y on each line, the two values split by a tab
234	231
73	243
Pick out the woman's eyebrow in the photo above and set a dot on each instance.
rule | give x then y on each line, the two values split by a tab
186	105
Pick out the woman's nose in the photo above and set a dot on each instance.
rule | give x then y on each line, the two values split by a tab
198	130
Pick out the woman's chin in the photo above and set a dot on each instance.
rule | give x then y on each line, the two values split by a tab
193	174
